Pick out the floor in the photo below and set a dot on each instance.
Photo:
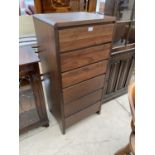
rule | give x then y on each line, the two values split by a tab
100	134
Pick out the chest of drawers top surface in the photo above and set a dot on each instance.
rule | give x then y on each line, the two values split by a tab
74	18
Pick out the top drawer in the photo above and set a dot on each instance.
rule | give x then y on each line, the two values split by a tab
84	36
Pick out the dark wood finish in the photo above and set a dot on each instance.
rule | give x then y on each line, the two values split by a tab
47	44
114	95
84	38
24	70
77	5
91	5
38	6
120	70
84	73
78	83
70	60
123	10
109	8
81	103
32	110
49	6
82	114
82	89
121	31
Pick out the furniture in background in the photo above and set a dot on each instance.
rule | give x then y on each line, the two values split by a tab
130	148
32	105
121	66
75	52
91	5
120	71
48	6
32	111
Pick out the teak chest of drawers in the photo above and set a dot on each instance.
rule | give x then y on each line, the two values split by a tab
74	49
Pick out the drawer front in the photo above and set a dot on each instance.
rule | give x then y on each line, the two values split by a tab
79	58
82	103
80	37
82	114
84	73
74	92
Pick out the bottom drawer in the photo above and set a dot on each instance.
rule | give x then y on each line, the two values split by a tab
82	114
82	103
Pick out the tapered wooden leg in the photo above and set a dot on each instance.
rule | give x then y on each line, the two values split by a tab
124	151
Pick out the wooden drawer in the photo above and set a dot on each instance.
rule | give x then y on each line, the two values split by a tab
82	103
84	36
79	58
82	114
84	73
83	88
